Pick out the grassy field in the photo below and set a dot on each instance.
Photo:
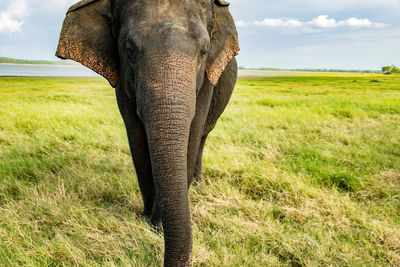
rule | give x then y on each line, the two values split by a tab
300	171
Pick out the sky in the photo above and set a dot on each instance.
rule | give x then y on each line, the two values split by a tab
340	34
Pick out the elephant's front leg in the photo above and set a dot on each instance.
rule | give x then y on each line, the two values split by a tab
219	100
139	149
196	130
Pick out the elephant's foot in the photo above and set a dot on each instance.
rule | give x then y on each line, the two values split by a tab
154	219
197	173
156	224
146	215
196	180
152	215
148	209
199	162
155	214
157	228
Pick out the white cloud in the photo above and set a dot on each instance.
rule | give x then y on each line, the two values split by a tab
322	21
241	23
278	23
293	23
11	19
64	4
269	22
14	12
345	4
355	22
18	8
9	25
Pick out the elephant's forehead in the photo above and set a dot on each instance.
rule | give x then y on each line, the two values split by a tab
165	17
154	10
164	21
157	26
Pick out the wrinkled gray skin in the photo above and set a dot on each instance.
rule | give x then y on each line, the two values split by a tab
168	104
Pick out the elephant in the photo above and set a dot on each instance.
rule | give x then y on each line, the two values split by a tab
172	64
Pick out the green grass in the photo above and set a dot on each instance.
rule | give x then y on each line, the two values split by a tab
300	171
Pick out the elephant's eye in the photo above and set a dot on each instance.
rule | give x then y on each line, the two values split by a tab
203	53
130	49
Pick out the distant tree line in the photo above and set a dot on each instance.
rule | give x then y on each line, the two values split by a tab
7	60
391	70
312	70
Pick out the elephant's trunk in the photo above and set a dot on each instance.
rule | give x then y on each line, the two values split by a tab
166	107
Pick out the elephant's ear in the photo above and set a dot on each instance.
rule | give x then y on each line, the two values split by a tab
224	41
86	37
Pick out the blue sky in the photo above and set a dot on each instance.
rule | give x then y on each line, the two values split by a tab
346	34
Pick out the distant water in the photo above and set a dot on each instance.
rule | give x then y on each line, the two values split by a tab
79	70
45	70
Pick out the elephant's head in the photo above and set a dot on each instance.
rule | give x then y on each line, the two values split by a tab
160	53
104	34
